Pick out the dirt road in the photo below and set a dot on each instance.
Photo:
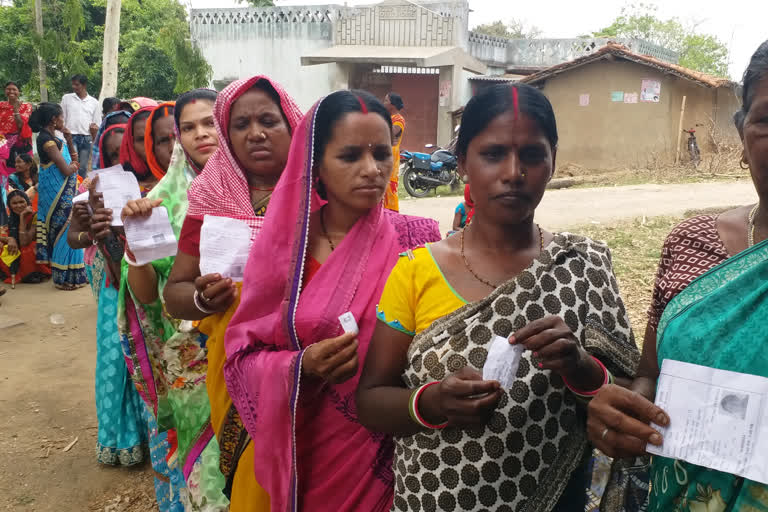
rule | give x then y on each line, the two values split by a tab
46	401
563	209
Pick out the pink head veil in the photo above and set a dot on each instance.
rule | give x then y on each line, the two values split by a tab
267	336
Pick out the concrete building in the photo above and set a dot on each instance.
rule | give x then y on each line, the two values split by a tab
616	108
419	51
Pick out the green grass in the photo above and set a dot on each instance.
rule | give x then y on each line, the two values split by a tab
635	247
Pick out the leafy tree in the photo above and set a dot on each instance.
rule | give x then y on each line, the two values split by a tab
156	56
258	3
515	29
701	52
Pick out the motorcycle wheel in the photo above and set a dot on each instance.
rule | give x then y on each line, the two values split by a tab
412	185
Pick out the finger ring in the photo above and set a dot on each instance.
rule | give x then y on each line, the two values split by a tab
605	433
202	296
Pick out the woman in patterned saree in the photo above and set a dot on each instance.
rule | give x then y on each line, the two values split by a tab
325	258
122	431
709	308
462	440
166	357
253	113
56	188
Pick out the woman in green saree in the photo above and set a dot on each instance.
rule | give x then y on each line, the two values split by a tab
714	318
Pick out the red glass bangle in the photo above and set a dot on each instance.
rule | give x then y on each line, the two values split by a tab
594	392
419	417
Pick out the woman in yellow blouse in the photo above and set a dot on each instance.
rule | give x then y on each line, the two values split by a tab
502	285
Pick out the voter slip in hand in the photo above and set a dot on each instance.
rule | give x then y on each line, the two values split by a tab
118	187
348	323
224	247
81	198
150	238
502	362
718	419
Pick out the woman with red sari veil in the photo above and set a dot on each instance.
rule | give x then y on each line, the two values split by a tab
325	258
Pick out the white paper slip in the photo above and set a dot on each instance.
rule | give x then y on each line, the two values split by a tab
150	238
718	419
81	198
348	323
114	168
502	362
118	188
224	247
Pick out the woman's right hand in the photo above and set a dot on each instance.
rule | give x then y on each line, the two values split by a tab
618	422
216	292
139	208
74	166
334	360
462	398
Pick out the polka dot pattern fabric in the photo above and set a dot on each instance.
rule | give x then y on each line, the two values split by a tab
523	458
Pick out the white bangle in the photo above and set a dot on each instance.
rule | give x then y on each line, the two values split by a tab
200	306
129	261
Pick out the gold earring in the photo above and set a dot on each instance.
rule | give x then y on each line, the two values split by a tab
743	164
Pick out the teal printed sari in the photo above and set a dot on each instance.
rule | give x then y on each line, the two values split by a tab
720	321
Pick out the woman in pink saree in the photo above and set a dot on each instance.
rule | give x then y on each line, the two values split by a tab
290	370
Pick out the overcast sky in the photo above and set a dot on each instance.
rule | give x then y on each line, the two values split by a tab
740	24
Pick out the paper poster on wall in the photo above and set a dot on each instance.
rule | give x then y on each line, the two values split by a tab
617	96
584	100
445	93
650	91
630	97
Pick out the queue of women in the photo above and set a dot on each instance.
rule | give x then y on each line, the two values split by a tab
249	396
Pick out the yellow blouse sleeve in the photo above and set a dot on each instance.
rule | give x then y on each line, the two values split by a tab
396	307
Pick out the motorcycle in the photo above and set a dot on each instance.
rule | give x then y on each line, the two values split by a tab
425	172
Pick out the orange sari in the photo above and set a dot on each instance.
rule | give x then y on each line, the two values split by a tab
391	200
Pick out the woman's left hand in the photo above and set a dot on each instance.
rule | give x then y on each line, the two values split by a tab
556	347
101	223
81	214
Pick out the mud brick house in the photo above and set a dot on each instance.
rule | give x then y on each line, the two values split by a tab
617	109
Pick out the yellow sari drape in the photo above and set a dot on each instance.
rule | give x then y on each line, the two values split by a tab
247	494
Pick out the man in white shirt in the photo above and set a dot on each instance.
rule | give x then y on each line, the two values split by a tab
82	117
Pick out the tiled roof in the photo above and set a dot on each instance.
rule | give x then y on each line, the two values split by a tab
621	51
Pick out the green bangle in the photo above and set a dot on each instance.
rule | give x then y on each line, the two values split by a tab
411	404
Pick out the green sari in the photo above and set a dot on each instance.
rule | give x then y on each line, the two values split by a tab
720	321
168	360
